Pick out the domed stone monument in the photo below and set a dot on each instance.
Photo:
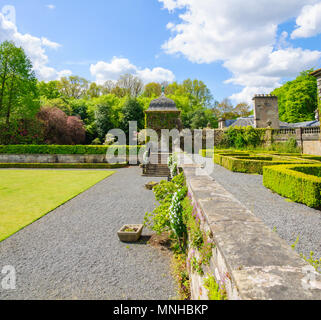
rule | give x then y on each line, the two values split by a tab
161	114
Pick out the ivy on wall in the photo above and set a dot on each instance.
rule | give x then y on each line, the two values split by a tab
159	120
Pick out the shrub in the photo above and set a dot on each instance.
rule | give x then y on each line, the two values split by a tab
159	219
22	132
290	146
61	129
242	137
300	183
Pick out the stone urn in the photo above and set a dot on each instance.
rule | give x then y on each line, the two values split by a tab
130	232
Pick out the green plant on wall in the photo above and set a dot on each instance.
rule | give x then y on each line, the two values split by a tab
161	120
213	289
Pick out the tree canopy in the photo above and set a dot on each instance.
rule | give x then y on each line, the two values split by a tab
298	99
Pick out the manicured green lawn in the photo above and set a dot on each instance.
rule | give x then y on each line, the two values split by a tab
27	195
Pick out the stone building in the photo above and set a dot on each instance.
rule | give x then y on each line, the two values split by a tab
162	114
266	115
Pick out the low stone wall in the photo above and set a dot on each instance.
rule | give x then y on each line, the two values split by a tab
58	158
312	147
251	260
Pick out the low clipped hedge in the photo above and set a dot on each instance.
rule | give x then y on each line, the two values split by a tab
219	156
251	164
300	183
62	165
206	153
56	149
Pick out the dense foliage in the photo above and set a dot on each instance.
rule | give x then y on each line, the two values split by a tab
241	138
18	93
298	99
27	105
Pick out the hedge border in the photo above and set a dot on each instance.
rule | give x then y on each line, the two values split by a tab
63	165
297	186
234	164
57	149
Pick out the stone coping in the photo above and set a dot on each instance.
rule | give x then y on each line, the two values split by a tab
261	265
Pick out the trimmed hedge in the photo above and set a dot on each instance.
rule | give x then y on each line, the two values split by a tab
247	164
57	149
206	153
300	183
219	156
62	165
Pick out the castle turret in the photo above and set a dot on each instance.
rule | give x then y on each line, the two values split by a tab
266	111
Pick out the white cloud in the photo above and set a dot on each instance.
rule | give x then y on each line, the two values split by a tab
50	44
243	35
34	47
51	6
308	22
104	71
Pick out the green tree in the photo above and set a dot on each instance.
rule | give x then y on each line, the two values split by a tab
298	99
132	111
152	89
19	97
73	87
133	86
60	103
49	90
94	90
107	114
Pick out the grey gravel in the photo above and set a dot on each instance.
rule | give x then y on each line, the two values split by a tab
74	252
290	220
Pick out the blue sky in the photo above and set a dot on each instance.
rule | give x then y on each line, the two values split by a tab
251	46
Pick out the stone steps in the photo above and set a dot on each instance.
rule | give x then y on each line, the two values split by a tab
156	170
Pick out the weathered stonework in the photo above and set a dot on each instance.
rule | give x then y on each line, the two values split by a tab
266	111
251	260
57	158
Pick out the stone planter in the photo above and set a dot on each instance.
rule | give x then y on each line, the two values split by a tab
133	235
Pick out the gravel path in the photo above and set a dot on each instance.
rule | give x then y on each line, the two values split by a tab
74	252
290	219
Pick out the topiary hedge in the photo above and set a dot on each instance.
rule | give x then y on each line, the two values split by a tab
251	164
57	149
62	165
300	183
206	153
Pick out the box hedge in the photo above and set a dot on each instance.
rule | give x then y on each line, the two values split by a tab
206	153
57	149
300	183
62	165
251	164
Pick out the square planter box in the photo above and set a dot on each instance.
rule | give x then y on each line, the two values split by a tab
130	236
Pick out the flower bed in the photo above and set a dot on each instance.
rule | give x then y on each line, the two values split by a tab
300	183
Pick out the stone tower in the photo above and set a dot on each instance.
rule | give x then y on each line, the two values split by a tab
266	111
